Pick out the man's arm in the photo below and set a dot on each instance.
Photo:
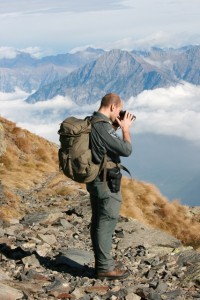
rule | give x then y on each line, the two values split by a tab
112	142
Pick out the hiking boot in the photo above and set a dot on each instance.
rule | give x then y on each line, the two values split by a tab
117	265
114	274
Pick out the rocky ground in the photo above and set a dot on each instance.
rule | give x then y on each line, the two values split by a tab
47	255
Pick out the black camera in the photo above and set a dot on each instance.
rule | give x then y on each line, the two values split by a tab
122	114
121	117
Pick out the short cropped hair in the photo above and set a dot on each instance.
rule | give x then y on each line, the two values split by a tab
109	99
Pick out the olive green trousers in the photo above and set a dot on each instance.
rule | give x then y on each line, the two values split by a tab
105	213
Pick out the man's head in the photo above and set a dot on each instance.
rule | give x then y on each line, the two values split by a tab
111	105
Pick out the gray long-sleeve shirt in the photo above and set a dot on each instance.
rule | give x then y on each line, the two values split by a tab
104	139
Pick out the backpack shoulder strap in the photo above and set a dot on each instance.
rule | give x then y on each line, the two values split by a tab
96	120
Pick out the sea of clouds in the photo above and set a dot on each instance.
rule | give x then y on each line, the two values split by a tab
171	111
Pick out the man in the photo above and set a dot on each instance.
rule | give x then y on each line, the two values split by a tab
105	198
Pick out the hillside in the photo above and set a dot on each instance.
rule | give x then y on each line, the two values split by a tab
28	165
26	160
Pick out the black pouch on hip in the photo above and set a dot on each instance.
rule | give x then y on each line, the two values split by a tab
114	177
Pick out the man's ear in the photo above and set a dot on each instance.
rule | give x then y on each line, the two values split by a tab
112	107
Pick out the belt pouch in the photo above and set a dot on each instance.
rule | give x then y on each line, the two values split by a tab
114	177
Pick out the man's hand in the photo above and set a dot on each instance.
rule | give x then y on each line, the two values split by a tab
125	125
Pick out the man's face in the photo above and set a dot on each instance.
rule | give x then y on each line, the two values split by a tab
116	111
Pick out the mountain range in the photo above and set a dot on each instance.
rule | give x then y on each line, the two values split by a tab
85	76
30	73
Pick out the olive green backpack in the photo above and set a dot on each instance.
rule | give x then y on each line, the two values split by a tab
75	157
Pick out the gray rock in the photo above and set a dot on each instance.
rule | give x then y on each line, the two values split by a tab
136	233
65	223
35	218
43	249
12	229
154	296
59	286
41	217
31	261
172	295
9	293
75	258
48	238
80	256
132	296
4	276
191	259
78	292
162	287
2	232
13	221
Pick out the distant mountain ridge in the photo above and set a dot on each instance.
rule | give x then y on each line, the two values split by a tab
126	73
86	75
30	73
115	70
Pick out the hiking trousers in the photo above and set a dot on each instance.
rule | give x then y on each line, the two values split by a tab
105	213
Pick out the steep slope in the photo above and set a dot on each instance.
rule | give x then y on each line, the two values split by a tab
29	170
25	160
116	70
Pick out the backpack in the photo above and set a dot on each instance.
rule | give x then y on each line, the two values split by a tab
75	157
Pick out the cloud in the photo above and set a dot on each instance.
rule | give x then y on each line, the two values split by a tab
171	111
11	53
8	52
18	94
44	117
122	24
33	51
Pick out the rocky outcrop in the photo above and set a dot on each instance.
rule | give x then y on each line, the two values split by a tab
47	254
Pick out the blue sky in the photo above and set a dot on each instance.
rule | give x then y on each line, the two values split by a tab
58	26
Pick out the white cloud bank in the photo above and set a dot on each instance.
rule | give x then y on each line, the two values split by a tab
11	53
42	118
171	111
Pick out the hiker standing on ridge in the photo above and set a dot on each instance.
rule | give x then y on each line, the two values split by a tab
104	191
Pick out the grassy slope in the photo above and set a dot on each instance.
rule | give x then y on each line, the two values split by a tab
30	159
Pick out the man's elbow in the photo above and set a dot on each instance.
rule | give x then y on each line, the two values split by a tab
128	151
